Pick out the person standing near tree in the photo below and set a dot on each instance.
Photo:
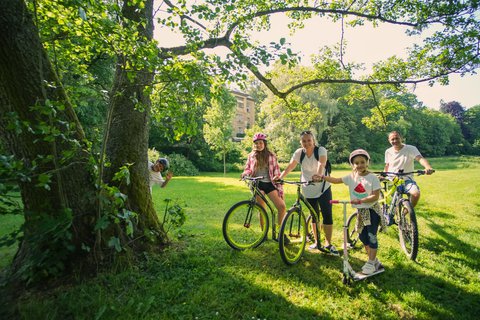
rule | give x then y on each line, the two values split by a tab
262	162
401	156
313	160
155	173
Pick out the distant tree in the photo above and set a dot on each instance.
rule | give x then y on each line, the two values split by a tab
472	124
218	124
453	108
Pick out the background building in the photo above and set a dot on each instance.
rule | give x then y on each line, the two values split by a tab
244	115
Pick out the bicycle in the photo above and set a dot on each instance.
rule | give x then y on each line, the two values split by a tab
397	209
294	231
246	223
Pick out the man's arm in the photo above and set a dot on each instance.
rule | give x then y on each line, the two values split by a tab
167	178
424	162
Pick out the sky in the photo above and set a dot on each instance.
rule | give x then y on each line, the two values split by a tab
365	44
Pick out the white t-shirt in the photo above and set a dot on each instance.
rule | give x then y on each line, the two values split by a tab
155	177
361	187
402	159
309	168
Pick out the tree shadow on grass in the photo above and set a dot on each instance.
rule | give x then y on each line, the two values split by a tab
403	291
426	296
447	242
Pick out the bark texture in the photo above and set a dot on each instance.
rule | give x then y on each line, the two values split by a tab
127	141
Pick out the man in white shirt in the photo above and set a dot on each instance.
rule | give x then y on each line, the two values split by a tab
401	157
155	172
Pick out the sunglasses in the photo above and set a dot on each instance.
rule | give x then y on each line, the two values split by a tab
305	132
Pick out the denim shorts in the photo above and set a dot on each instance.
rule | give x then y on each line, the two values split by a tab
411	187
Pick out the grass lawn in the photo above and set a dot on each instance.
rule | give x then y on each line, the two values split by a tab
200	277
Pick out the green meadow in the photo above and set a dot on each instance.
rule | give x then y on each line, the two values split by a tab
200	277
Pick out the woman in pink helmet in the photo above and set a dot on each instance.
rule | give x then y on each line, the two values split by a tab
262	162
364	188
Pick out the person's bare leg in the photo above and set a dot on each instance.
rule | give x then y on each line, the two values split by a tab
414	198
279	204
328	230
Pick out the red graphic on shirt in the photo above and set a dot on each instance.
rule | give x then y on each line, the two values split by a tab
359	188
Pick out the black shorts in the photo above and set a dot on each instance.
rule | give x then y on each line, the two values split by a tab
266	187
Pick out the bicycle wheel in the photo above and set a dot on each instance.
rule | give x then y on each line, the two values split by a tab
408	229
292	236
352	235
245	225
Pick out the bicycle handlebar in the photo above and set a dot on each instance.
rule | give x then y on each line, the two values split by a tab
298	183
399	174
340	201
251	178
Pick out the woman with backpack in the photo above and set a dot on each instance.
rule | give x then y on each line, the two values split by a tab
313	161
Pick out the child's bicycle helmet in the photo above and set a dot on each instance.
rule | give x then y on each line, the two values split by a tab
164	162
358	152
259	136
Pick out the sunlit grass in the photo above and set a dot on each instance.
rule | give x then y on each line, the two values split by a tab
200	277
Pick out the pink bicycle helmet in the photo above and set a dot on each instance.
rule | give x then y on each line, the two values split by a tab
259	136
358	152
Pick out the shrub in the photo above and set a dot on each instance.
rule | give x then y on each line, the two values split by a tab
181	166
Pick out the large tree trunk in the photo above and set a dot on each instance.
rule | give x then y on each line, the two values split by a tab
127	134
37	125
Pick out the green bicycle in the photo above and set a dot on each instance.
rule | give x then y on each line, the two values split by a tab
246	223
397	209
295	230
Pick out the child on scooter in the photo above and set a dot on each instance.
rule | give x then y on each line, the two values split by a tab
364	188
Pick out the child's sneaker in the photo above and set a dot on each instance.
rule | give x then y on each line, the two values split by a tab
369	268
313	246
378	265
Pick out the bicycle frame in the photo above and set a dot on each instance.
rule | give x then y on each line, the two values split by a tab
393	194
253	184
301	199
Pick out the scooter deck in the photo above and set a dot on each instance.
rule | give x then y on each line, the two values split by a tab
360	276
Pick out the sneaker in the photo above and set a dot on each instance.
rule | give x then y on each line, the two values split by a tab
368	268
332	250
313	246
378	265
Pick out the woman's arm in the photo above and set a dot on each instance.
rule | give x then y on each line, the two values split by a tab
249	166
287	170
322	162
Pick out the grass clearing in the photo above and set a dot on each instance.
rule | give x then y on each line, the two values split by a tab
201	277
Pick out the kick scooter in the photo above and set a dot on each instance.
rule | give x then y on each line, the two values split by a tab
348	273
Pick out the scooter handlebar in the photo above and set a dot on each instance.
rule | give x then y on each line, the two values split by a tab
339	201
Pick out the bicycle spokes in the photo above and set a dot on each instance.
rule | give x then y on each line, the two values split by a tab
293	236
245	225
408	230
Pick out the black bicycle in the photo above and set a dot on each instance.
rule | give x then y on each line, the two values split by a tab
295	230
246	223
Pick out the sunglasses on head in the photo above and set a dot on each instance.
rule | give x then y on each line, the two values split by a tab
305	132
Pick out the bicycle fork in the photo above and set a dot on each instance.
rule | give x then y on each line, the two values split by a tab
248	217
